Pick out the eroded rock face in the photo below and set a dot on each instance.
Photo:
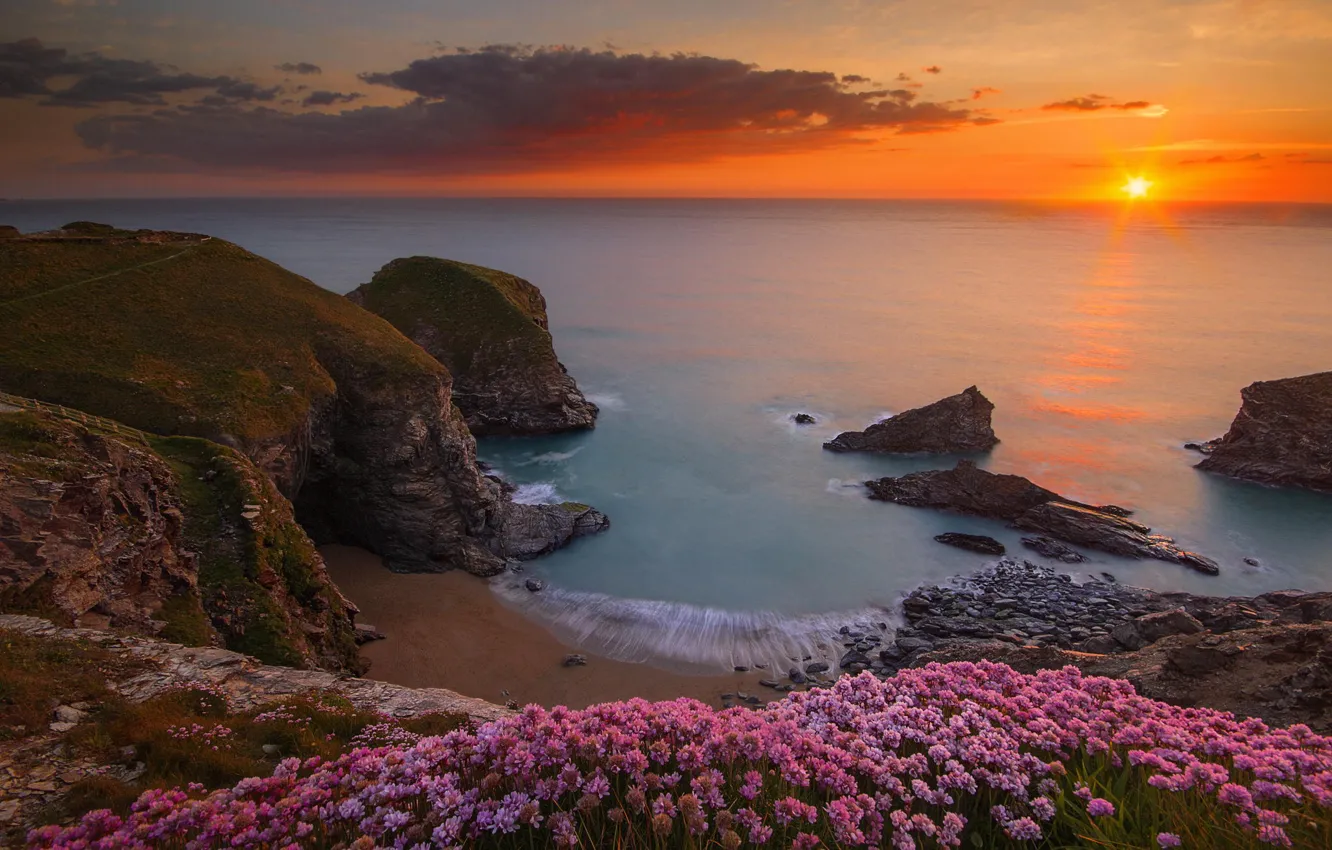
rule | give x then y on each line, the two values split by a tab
969	489
102	527
959	423
490	330
1281	436
524	532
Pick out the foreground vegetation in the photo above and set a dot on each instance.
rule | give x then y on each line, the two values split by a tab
958	755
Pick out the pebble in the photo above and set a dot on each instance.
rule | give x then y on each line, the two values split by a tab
573	659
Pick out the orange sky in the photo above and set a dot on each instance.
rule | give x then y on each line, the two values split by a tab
1209	99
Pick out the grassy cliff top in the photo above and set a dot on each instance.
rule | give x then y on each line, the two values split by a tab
181	334
472	307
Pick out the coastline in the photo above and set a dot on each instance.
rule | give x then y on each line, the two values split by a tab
448	630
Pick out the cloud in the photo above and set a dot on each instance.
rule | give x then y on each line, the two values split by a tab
932	69
298	68
328	98
504	109
1222	160
1224	145
27	68
1096	102
977	94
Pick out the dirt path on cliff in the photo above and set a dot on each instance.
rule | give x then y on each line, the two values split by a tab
450	631
78	283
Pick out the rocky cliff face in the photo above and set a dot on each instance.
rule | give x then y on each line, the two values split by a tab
971	490
102	527
959	423
1281	436
350	419
490	330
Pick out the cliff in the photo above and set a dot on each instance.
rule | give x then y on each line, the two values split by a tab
183	334
1282	435
490	329
176	537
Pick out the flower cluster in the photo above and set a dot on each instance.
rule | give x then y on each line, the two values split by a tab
920	760
216	737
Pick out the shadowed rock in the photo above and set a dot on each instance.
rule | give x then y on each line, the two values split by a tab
959	423
1281	436
1051	548
971	542
970	489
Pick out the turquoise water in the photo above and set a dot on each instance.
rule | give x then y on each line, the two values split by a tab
1106	339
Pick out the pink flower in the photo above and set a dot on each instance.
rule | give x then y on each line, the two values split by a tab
1100	807
1167	839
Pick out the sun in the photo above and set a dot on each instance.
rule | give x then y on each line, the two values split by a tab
1136	187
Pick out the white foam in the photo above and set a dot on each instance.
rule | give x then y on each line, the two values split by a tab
551	458
845	487
821	427
537	493
689	637
606	401
882	415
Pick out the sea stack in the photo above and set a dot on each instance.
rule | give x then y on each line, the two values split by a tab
957	424
489	329
1282	435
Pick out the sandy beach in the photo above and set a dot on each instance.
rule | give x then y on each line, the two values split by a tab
449	631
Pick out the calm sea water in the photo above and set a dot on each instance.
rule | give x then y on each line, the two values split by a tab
1106	337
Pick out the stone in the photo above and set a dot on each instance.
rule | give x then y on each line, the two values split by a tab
61	726
804	419
1153	627
770	683
1282	435
271	749
1099	644
534	584
365	633
1054	549
1106	532
971	542
959	423
795	674
816	668
574	659
853	660
913	644
1127	636
69	714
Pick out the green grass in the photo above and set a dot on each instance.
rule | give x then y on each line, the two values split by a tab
38	674
473	307
215	341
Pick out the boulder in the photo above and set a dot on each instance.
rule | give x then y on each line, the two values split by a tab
959	423
1281	436
804	419
1054	549
1153	627
971	542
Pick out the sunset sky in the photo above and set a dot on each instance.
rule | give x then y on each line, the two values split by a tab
1208	99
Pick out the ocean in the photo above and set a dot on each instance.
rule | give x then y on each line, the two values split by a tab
1106	335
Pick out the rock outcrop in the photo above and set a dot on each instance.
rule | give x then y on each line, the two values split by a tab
1268	656
971	542
1281	436
969	489
490	330
959	423
351	420
177	537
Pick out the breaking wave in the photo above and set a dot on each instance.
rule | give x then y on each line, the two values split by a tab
606	401
690	638
537	493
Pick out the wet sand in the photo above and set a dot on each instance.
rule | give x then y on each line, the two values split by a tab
449	631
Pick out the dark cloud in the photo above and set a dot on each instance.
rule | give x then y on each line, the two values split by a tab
328	98
505	108
28	67
298	68
1093	103
932	69
854	80
977	94
1223	160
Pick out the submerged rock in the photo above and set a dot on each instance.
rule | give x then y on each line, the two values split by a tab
969	489
1281	436
1051	548
959	423
971	542
490	329
804	419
